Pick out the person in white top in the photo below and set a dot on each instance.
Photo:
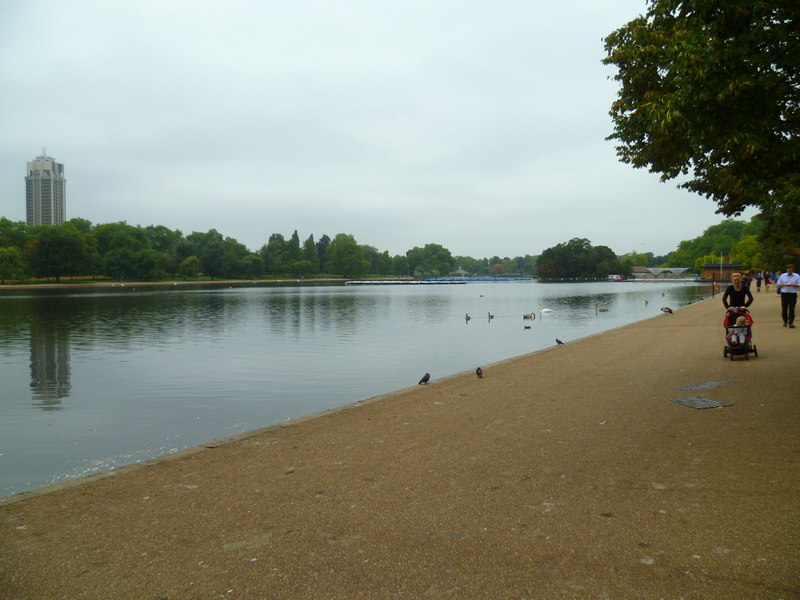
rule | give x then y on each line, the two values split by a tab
787	285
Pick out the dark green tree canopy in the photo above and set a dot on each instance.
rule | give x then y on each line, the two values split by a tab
710	90
346	257
577	258
433	260
131	252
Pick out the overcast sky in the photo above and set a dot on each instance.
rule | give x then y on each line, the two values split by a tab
476	125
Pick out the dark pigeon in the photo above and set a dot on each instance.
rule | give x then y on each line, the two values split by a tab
425	379
479	372
559	342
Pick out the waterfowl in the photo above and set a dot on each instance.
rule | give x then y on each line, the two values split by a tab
479	372
666	310
425	379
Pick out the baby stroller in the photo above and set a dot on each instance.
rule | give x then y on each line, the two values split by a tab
738	333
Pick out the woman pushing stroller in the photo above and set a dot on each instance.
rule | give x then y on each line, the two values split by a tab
738	322
737	294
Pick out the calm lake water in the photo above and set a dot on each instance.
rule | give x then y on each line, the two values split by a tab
95	379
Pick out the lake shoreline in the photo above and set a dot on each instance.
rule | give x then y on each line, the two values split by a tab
560	474
98	354
176	282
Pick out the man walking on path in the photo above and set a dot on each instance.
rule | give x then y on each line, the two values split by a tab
787	286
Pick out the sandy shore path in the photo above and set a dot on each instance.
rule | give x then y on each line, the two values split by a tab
563	474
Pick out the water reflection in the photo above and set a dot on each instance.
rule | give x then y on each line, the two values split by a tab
50	367
144	372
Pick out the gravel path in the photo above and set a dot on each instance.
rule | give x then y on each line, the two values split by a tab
569	473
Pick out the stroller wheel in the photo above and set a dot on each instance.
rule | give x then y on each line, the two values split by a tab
755	351
725	352
732	355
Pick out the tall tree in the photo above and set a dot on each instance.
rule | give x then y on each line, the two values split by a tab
346	257
322	251
13	233
577	258
400	266
274	254
111	236
119	263
311	254
711	90
715	240
12	266
58	251
292	250
432	260
189	267
213	257
252	265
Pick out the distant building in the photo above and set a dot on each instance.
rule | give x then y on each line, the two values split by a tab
720	272
45	190
658	272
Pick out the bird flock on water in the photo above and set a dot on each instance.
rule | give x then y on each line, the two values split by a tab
531	316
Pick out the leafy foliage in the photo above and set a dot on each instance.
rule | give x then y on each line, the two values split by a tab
578	259
58	251
11	264
432	260
346	257
711	91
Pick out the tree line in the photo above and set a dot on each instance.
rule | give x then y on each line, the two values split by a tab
734	240
120	251
125	252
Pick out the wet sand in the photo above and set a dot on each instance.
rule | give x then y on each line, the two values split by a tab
563	474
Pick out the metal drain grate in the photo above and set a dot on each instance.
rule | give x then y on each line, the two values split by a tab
704	385
698	402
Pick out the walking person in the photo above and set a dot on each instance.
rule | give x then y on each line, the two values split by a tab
787	285
737	295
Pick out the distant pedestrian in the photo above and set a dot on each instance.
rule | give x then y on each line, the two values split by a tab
787	285
775	279
737	294
759	279
766	280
